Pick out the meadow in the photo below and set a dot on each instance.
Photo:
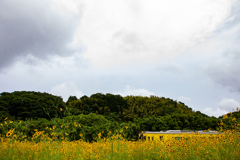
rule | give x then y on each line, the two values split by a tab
50	144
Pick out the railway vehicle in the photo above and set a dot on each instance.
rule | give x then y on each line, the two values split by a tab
175	135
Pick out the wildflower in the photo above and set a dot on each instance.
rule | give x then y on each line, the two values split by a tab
5	118
225	116
80	134
61	109
14	136
53	127
61	126
126	127
10	133
99	135
221	123
75	124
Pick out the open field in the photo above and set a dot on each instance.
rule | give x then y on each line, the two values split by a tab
116	147
55	142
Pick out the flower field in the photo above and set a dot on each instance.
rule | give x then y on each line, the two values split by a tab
115	147
49	144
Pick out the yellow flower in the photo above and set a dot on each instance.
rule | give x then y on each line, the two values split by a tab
99	135
80	134
75	124
61	109
5	118
126	127
237	108
14	136
225	116
10	133
221	123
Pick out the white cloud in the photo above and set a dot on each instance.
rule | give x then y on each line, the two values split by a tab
128	90
66	89
225	106
70	6
228	104
184	99
216	112
126	32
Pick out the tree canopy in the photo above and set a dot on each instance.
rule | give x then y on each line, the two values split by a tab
108	110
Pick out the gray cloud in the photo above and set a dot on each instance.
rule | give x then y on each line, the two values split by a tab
32	27
127	42
224	70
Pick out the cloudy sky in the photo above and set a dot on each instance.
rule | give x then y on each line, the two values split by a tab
185	50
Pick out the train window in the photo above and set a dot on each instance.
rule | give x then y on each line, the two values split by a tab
144	137
152	138
149	138
178	138
161	138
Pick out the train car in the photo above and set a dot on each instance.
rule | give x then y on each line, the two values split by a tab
175	135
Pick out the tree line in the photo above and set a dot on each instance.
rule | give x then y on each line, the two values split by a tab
110	111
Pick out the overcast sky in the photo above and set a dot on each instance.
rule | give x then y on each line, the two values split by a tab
185	50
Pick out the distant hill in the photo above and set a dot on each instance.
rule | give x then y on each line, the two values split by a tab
151	113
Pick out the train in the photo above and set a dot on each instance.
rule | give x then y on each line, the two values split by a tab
175	135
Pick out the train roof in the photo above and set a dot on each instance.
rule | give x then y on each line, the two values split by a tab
179	132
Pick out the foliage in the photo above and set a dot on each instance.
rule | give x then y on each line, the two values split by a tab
23	105
100	113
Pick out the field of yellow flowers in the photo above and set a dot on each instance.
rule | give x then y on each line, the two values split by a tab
51	145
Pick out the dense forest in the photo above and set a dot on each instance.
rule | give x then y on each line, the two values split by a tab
100	113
